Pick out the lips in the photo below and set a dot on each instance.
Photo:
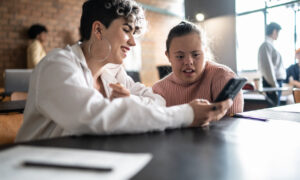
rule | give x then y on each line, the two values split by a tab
125	49
188	70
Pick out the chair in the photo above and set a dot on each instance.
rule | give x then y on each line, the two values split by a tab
296	94
9	126
16	80
249	86
164	70
135	75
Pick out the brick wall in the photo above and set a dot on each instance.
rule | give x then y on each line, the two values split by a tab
62	19
153	44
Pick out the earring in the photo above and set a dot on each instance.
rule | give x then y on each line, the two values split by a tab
108	44
109	48
90	46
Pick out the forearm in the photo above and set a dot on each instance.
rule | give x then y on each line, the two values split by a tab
296	84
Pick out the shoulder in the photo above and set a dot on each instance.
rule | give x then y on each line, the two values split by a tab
293	67
63	59
34	44
60	54
265	46
161	84
217	69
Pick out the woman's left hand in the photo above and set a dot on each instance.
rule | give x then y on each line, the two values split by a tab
118	91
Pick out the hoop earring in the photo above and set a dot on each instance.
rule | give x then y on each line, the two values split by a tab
90	47
109	48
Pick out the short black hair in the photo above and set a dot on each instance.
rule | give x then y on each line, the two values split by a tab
106	11
271	27
35	30
183	28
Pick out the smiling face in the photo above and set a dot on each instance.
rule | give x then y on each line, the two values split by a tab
120	35
186	55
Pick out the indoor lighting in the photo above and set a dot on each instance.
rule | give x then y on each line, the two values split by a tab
200	17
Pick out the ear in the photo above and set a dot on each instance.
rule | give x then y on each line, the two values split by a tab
168	56
39	36
97	29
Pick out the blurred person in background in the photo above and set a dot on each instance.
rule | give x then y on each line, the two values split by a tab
292	73
270	64
36	48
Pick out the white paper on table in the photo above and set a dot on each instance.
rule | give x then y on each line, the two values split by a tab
125	165
288	108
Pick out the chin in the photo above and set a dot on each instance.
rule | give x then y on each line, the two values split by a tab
118	61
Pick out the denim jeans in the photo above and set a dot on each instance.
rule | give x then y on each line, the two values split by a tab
273	96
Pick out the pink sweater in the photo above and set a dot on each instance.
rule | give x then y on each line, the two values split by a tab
212	81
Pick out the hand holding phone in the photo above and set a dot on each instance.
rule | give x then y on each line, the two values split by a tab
231	89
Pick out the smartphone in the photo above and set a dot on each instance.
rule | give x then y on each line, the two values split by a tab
231	89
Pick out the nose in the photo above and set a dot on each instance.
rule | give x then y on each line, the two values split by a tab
131	40
188	60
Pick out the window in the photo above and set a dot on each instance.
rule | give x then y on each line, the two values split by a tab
285	42
252	18
276	2
250	34
248	5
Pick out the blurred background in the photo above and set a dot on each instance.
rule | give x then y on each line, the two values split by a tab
235	29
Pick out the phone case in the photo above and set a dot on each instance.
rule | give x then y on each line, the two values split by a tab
231	89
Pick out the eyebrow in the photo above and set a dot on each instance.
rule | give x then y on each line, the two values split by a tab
194	51
127	24
178	52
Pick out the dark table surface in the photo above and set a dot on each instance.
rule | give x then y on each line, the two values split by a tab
231	149
12	106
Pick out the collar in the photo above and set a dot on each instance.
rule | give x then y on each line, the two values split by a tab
269	40
79	56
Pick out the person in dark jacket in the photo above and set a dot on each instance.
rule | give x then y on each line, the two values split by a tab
292	73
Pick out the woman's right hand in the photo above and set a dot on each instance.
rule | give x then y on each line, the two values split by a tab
205	113
118	90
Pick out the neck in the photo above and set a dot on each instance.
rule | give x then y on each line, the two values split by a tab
94	65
